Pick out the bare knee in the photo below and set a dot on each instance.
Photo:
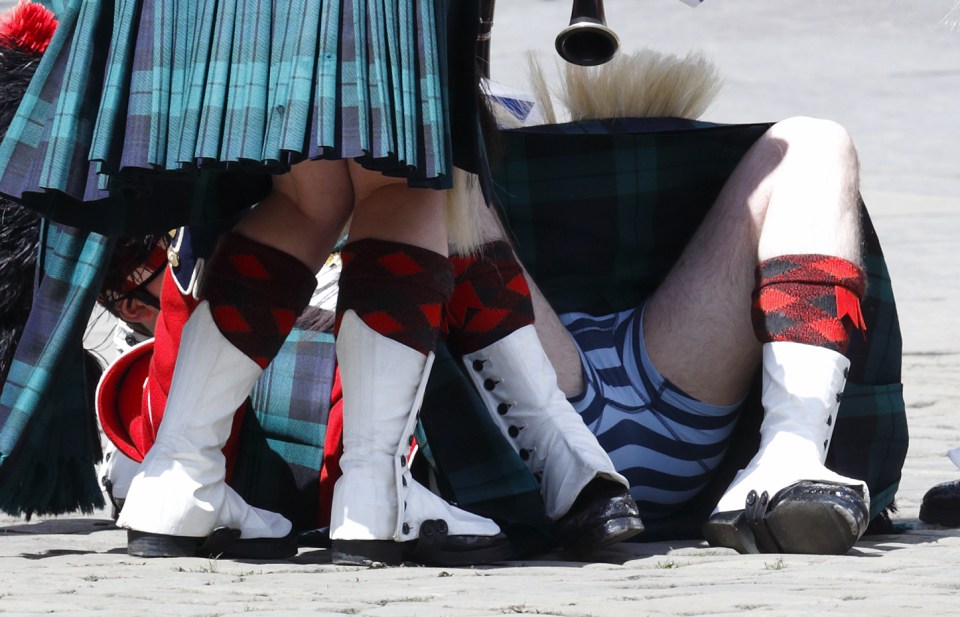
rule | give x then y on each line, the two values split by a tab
814	201
820	151
318	189
816	140
367	183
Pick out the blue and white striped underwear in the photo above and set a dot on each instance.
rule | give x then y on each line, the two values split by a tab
664	442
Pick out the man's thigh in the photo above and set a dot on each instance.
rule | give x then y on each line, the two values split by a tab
666	443
697	325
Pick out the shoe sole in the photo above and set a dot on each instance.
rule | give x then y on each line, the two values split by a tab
220	543
939	516
794	526
390	553
154	545
610	532
366	552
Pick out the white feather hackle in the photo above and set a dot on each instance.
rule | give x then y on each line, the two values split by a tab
645	83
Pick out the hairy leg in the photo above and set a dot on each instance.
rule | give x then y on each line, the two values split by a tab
557	343
795	191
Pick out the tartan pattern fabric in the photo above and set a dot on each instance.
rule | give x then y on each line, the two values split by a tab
600	210
477	468
809	299
281	443
256	293
398	290
48	433
145	115
490	298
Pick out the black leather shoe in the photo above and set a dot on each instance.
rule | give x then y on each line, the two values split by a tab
221	542
941	505
817	518
434	547
603	514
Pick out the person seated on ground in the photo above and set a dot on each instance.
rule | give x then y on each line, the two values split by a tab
772	279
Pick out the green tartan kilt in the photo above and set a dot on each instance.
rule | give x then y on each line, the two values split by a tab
145	115
601	210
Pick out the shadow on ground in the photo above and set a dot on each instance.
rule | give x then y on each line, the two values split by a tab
62	526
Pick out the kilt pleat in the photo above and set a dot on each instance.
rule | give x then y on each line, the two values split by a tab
195	63
329	74
113	98
289	111
355	73
219	71
405	41
64	129
143	88
381	137
433	112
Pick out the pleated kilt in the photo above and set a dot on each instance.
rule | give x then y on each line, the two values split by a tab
148	114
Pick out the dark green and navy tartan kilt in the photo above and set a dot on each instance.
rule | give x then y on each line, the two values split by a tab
282	436
145	115
48	431
601	210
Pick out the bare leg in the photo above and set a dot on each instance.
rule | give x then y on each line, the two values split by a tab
558	343
793	205
305	213
795	191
